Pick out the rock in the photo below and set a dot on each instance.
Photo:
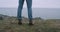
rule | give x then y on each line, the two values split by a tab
1	18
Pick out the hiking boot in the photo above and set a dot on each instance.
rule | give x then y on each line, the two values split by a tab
30	22
19	22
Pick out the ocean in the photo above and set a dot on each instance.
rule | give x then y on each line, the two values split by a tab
45	13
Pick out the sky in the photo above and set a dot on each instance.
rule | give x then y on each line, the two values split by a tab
35	4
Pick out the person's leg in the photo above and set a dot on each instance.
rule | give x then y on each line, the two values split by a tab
21	2
29	6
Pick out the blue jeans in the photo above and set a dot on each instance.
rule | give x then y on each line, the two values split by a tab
29	7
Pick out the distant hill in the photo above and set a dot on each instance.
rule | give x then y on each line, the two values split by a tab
3	16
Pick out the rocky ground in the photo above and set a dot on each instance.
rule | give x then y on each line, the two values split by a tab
9	24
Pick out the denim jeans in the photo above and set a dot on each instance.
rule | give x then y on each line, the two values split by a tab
29	8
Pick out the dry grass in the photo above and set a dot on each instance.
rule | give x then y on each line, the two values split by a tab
10	25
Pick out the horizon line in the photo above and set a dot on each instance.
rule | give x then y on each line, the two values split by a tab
11	7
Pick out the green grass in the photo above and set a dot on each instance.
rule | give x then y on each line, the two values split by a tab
10	25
